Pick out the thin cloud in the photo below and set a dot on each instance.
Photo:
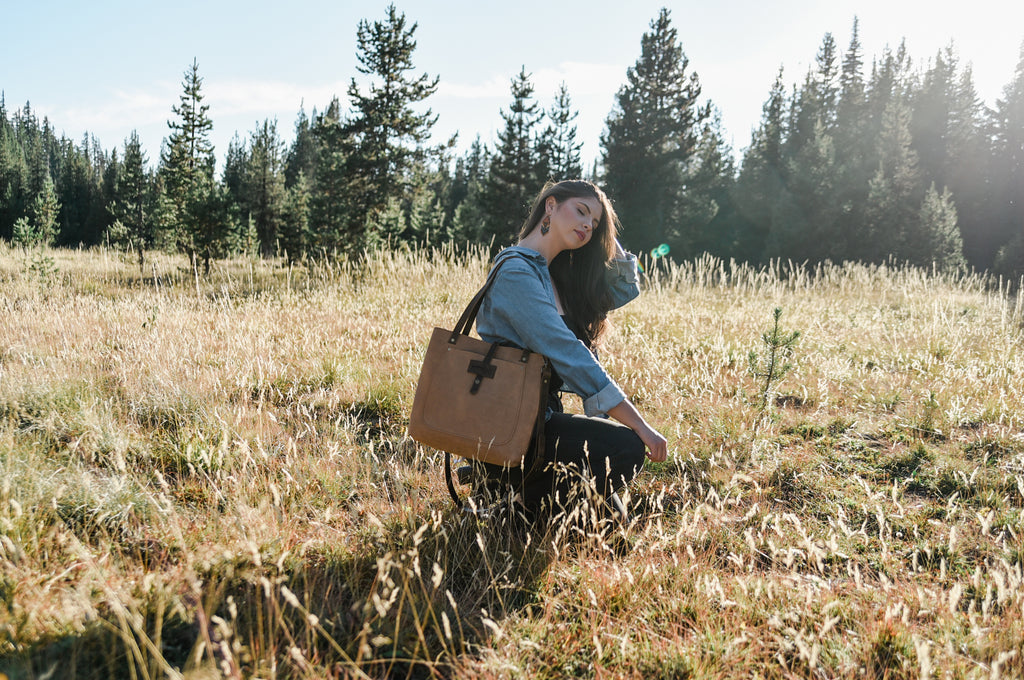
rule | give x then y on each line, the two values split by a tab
122	110
268	98
496	87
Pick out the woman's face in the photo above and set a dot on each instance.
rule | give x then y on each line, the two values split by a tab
574	220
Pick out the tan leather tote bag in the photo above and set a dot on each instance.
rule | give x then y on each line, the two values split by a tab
476	399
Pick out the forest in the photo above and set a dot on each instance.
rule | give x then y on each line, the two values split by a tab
870	159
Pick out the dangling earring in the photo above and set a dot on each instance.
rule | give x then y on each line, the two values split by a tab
545	225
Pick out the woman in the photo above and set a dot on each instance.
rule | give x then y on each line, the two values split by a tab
552	296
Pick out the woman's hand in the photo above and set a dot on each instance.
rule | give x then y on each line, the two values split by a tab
657	445
620	253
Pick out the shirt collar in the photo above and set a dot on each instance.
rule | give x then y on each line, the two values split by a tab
528	252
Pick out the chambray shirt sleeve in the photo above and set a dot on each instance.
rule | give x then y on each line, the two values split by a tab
623	280
519	301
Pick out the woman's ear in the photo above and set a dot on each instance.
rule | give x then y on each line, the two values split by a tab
549	205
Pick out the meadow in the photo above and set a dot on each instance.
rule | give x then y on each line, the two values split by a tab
206	477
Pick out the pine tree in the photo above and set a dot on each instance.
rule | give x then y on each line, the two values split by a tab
236	164
894	192
130	207
430	221
516	171
970	170
1008	173
388	137
815	103
465	211
329	209
294	236
79	188
188	155
164	215
851	108
948	138
303	153
213	229
931	124
888	81
853	160
187	166
804	216
761	177
937	240
13	172
709	202
931	103
108	168
45	211
34	140
264	182
558	146
650	139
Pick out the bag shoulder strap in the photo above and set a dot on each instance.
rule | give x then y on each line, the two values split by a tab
465	323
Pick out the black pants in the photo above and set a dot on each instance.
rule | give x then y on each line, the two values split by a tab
581	455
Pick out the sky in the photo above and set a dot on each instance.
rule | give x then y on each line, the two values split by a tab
109	67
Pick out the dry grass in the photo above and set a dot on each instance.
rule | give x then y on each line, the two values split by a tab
206	478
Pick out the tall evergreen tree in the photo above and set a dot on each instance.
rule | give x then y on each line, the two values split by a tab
558	143
45	211
302	154
294	237
236	164
709	201
815	103
213	227
761	177
264	181
804	215
888	81
935	239
199	216
804	222
13	174
108	168
650	139
130	206
853	160
893	210
516	170
1008	166
465	208
329	209
79	188
850	110
930	120
31	136
389	138
188	155
419	216
969	172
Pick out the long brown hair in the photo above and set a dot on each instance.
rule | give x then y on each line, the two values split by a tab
579	275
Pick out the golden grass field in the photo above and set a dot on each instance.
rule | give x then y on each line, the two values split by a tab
209	477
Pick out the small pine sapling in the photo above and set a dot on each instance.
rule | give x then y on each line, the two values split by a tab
770	369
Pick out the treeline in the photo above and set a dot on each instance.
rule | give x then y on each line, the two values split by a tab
867	163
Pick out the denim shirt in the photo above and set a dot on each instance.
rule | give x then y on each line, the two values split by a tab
520	308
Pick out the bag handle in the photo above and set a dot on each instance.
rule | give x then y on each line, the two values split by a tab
465	323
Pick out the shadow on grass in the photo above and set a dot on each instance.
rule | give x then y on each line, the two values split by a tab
409	602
